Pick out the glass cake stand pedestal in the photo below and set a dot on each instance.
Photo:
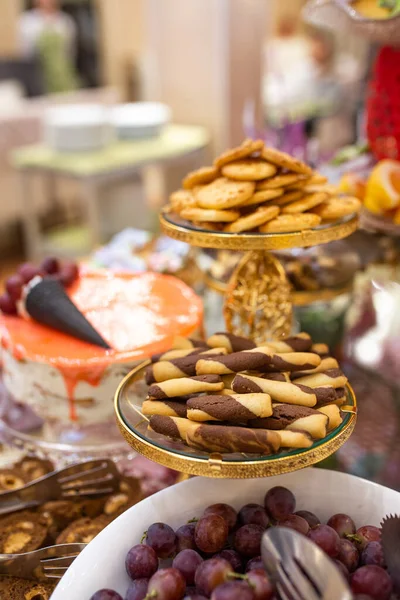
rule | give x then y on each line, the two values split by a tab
22	430
257	299
180	457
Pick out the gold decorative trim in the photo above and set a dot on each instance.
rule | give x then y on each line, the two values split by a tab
215	465
258	241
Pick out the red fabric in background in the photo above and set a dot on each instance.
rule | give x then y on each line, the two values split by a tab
383	105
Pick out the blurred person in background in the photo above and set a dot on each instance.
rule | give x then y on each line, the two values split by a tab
47	33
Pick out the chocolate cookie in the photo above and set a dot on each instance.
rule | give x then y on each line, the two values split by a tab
289	416
232	343
186	385
280	391
233	407
21	532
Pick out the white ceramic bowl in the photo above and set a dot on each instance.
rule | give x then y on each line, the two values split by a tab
77	127
102	563
140	119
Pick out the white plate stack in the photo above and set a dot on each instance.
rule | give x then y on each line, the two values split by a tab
78	127
140	119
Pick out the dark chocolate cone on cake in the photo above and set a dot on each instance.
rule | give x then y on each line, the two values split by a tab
48	303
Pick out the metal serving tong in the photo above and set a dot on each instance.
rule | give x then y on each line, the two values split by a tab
89	478
46	563
300	569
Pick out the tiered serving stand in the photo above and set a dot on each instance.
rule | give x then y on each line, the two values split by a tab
258	305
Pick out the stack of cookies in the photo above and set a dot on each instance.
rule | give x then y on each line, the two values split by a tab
259	189
228	395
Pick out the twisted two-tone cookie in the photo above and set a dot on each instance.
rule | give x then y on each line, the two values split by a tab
294	439
296	343
180	343
262	359
332	377
178	367
174	388
298	418
326	364
321	349
332	411
217	438
172	354
229	407
232	343
167	408
280	391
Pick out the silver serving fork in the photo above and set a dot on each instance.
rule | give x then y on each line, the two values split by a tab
46	563
89	478
300	569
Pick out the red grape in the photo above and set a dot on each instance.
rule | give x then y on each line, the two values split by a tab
137	590
311	519
260	584
14	286
247	540
210	574
167	584
7	306
211	533
195	597
348	555
162	539
253	514
106	594
50	265
295	522
254	564
28	271
344	571
225	511
233	558
187	562
342	524
68	272
365	534
372	581
326	538
373	554
185	537
141	562
233	590
279	502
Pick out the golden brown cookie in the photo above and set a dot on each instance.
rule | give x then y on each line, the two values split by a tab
291	196
182	199
289	223
213	216
284	160
254	220
263	196
224	193
248	147
249	169
338	207
306	203
280	181
328	188
314	179
200	177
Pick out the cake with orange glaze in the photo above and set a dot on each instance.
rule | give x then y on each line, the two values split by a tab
65	379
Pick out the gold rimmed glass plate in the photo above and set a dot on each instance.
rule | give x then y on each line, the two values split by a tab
185	231
177	455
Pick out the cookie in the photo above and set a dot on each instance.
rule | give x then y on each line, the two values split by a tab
200	177
288	197
178	367
321	349
333	377
10	480
280	391
295	439
247	148
263	196
180	200
254	220
186	385
229	407
202	214
326	363
291	223
328	188
334	415
336	208
305	203
232	343
182	343
248	360
314	179
249	169
167	408
31	468
284	160
301	342
300	418
224	193
172	354
21	532
83	530
280	181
